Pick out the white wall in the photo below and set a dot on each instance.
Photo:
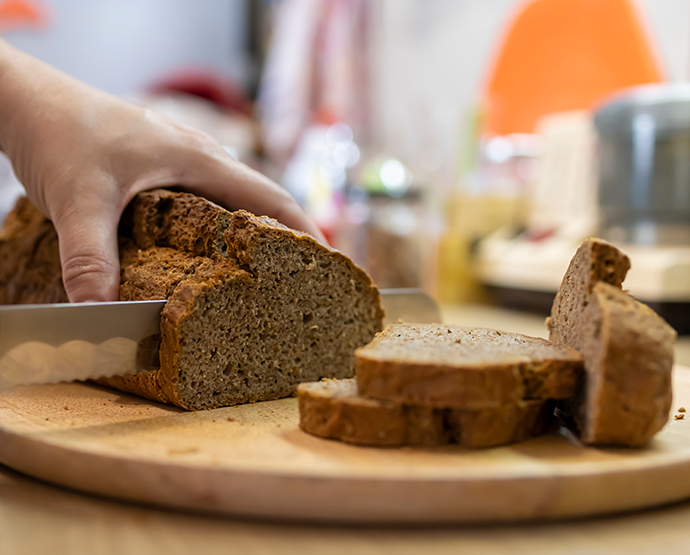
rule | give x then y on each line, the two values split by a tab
668	24
121	45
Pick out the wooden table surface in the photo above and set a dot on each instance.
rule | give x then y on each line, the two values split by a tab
41	518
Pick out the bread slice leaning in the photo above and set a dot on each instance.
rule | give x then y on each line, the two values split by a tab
333	409
625	396
464	368
254	308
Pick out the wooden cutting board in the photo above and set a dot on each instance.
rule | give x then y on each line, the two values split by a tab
252	460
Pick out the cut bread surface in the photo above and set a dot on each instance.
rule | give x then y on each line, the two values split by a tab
465	368
333	409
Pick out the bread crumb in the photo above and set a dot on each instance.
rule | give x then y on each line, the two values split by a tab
231	419
65	408
679	416
681	409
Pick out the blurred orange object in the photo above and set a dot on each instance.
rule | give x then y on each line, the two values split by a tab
22	14
561	55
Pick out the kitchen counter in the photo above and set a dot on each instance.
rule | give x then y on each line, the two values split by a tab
39	518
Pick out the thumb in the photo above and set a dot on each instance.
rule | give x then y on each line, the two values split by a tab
89	257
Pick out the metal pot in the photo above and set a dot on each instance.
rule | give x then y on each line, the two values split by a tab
644	165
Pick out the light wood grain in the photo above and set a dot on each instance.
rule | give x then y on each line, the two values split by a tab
36	518
252	460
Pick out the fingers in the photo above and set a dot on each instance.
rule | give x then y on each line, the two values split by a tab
88	253
225	181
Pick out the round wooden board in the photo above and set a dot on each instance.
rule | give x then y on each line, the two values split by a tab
252	460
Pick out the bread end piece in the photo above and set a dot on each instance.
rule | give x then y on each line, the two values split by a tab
628	352
624	397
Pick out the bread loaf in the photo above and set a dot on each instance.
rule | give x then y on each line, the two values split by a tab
625	395
333	409
29	258
253	308
464	368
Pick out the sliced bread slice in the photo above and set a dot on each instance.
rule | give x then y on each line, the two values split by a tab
333	409
464	368
625	396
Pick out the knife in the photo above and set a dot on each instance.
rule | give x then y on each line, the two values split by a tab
50	343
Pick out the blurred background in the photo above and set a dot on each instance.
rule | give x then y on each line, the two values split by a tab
465	147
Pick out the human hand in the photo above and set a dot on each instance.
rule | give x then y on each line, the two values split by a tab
82	155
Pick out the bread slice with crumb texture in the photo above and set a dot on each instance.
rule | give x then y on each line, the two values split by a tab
464	368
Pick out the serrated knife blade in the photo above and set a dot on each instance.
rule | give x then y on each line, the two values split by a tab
51	343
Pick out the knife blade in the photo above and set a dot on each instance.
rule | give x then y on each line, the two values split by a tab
51	343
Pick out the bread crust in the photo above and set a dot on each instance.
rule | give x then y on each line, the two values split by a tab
628	394
625	395
435	366
29	258
333	409
594	261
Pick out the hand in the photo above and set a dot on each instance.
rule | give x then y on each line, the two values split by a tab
82	156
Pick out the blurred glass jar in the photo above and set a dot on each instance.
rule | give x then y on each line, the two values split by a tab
644	165
382	226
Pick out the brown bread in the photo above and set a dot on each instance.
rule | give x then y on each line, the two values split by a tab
333	409
625	396
464	368
253	309
29	258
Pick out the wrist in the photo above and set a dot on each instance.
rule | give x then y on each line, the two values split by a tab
13	92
